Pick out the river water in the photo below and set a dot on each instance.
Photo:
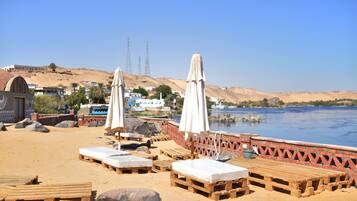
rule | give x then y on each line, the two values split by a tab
327	125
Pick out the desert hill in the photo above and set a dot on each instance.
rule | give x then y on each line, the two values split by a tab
66	76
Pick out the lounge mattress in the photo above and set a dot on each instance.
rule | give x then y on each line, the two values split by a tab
133	135
99	153
209	170
127	161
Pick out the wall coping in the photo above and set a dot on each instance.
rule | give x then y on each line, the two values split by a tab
300	143
309	144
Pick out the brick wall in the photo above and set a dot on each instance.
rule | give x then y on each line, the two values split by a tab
52	119
311	154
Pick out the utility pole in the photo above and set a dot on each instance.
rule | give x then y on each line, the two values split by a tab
128	58
139	66
147	63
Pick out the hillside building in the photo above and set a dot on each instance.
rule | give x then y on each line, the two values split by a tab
23	67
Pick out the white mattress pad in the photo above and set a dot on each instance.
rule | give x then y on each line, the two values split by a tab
127	161
99	153
133	135
209	170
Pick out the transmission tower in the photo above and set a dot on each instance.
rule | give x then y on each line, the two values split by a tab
128	58
147	64
139	66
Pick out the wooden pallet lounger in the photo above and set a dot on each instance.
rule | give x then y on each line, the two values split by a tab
128	164
214	179
160	137
161	165
97	154
296	180
13	180
131	136
48	192
178	153
144	155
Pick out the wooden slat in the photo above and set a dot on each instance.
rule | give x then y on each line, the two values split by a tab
213	190
45	192
17	180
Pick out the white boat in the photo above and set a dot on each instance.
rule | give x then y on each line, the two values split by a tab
219	106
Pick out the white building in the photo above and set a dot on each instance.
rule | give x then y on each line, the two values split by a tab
149	89
129	94
32	86
150	103
49	91
215	100
23	67
180	93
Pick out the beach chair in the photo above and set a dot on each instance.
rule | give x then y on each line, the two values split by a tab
47	192
97	154
215	179
128	164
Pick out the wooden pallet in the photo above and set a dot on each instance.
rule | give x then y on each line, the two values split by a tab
89	159
178	153
139	139
132	170
216	191
48	192
160	137
13	180
296	180
161	165
145	155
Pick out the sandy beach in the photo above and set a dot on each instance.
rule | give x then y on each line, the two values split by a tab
54	158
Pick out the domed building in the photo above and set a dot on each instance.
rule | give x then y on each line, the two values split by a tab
15	99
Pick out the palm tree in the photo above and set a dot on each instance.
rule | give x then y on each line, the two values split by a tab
74	85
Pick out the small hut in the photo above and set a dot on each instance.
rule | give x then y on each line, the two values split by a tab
16	101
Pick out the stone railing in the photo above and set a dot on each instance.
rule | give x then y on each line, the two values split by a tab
311	154
52	119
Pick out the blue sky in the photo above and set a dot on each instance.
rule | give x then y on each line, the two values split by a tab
269	45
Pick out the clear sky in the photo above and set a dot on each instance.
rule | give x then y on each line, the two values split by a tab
270	45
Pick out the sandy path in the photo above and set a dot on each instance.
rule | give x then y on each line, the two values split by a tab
54	158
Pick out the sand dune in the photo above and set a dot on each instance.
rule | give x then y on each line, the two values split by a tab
66	76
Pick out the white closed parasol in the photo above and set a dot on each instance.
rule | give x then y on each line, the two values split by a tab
115	116
194	117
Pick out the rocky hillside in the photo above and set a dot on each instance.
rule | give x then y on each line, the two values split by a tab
66	76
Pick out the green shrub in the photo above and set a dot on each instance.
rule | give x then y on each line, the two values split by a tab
47	104
76	99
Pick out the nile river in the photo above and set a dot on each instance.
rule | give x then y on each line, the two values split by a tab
327	125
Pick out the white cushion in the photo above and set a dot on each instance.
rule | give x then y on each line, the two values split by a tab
127	161
134	135
209	170
99	153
